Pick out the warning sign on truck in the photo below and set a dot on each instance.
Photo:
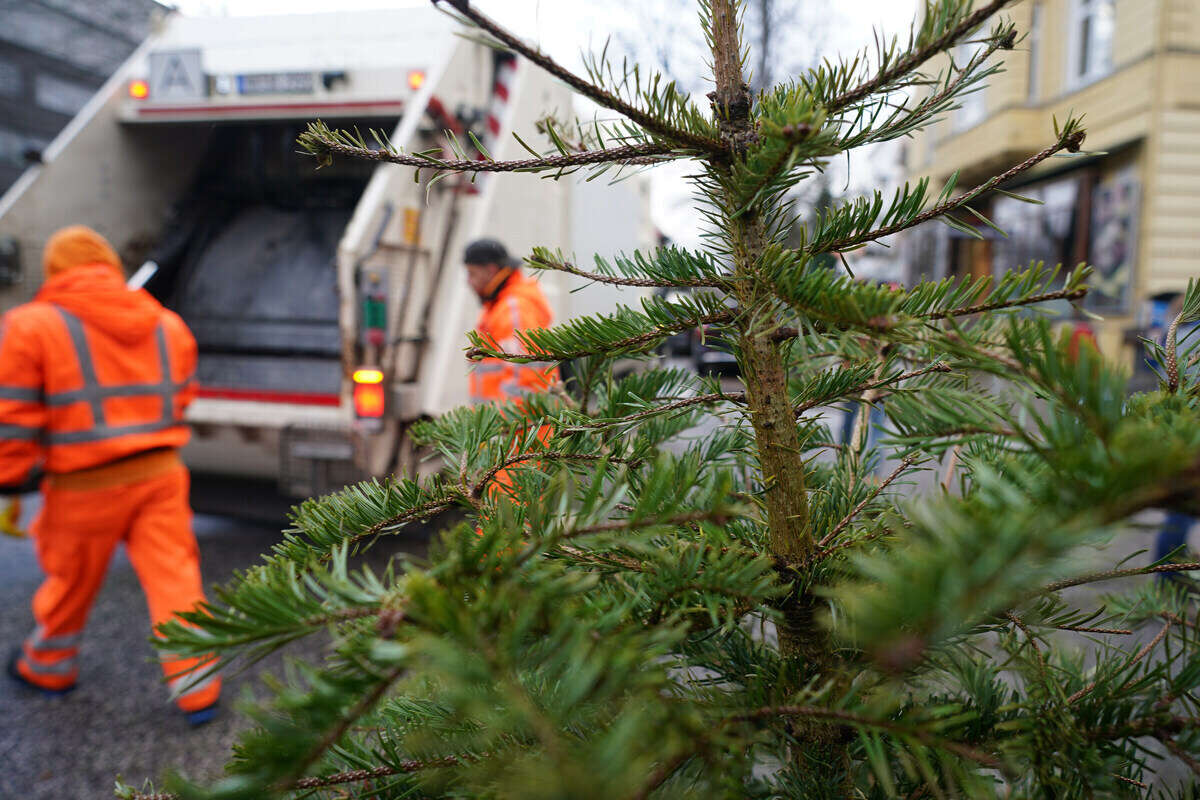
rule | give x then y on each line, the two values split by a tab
177	75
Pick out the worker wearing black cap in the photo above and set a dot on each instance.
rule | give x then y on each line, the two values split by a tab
511	303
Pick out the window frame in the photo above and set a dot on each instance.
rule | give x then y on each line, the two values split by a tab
973	107
1037	21
1083	13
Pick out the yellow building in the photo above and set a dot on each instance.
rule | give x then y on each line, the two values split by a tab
1132	69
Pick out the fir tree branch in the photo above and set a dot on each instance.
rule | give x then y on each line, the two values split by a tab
1119	573
324	143
1066	294
363	706
1088	629
1180	753
716	517
1145	651
846	520
382	771
1042	667
821	555
586	88
422	511
664	771
542	455
614	280
602	559
937	366
930	105
910	62
1172	366
677	405
852	720
632	342
1168	724
1071	139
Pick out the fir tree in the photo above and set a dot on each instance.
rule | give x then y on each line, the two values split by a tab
757	615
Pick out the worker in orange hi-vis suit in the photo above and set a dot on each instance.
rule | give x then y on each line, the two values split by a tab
511	303
94	380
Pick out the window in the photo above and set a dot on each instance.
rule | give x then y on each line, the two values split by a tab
972	106
1034	89
11	82
56	94
1090	52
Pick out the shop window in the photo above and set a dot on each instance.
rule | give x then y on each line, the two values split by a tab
1082	217
1112	240
1092	25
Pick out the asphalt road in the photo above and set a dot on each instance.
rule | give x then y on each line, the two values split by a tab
119	721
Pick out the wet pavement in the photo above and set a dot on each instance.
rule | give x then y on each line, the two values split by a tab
119	722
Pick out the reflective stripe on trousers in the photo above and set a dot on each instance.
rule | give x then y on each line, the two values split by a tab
94	393
51	656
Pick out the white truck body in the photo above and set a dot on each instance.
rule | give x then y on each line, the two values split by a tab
131	167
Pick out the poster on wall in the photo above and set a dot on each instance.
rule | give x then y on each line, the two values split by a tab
1112	249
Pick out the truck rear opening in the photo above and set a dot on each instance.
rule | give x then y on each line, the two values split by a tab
248	260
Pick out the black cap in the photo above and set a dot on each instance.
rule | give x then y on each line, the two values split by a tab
488	251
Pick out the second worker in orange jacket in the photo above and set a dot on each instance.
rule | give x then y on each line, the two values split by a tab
94	380
511	303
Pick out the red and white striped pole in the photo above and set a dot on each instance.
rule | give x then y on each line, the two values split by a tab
506	68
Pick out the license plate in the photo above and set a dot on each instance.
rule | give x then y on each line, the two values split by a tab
275	83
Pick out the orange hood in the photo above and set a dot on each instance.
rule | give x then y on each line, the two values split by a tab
96	293
76	246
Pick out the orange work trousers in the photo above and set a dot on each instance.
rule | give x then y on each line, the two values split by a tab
143	502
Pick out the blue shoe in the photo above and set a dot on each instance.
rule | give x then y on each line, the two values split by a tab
16	675
201	716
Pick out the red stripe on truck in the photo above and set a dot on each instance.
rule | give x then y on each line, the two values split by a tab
261	396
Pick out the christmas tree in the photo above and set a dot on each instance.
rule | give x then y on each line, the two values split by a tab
754	613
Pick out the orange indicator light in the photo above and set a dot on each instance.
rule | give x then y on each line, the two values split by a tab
368	376
139	90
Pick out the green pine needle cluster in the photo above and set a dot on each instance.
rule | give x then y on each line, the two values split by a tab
661	586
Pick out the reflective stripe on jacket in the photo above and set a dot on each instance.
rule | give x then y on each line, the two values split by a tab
518	305
90	372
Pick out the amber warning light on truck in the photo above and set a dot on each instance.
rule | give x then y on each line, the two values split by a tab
368	396
139	90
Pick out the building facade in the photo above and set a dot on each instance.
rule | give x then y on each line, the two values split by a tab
54	55
1131	207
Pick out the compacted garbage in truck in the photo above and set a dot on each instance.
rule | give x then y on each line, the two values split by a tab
328	304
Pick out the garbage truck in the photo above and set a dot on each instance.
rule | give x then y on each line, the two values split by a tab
328	304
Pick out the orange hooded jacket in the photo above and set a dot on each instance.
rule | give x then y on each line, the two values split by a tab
90	372
517	305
